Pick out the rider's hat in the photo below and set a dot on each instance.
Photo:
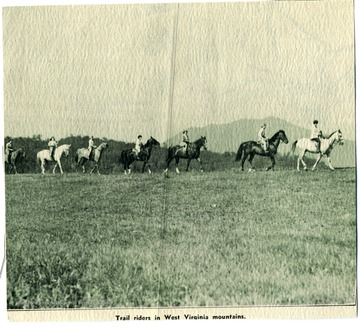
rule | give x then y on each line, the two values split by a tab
315	122
139	136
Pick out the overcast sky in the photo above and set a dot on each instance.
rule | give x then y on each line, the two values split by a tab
117	71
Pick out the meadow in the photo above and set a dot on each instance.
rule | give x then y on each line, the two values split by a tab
218	238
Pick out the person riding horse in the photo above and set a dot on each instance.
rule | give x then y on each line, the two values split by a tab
52	146
128	156
91	147
249	149
138	146
262	139
316	133
8	150
185	141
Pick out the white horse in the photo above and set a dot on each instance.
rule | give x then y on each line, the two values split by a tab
326	145
82	156
43	156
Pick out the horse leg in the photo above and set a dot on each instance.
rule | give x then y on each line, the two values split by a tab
300	159
55	168
188	164
91	171
43	167
243	161
143	168
168	161
60	167
329	162
200	163
149	168
251	157
316	162
177	159
272	163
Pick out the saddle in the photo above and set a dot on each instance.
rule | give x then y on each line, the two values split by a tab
182	148
141	153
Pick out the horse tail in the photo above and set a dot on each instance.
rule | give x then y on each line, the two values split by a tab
293	147
76	157
122	157
169	155
239	152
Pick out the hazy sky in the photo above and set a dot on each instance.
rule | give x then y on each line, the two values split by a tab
117	71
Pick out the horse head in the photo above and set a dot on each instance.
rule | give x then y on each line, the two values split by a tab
336	137
22	152
102	146
151	142
340	137
154	142
67	149
203	142
277	137
283	137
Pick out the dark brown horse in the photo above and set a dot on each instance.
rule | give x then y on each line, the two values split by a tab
192	152
251	148
15	157
127	157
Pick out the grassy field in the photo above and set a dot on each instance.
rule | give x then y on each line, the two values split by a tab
214	239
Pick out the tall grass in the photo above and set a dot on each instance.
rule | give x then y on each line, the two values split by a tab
218	238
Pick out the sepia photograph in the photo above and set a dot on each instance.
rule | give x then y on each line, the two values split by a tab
179	161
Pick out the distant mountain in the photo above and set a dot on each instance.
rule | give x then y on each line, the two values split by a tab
227	137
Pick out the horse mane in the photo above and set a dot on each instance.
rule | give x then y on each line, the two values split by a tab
102	145
199	140
150	141
147	144
274	137
332	134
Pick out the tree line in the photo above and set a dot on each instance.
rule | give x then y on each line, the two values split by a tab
110	162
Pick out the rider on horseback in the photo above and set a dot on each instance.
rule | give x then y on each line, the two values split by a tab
8	150
91	147
52	146
315	135
185	141
262	139
138	146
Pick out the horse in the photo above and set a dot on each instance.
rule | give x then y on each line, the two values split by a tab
82	156
252	148
326	145
192	152
127	157
15	157
43	156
